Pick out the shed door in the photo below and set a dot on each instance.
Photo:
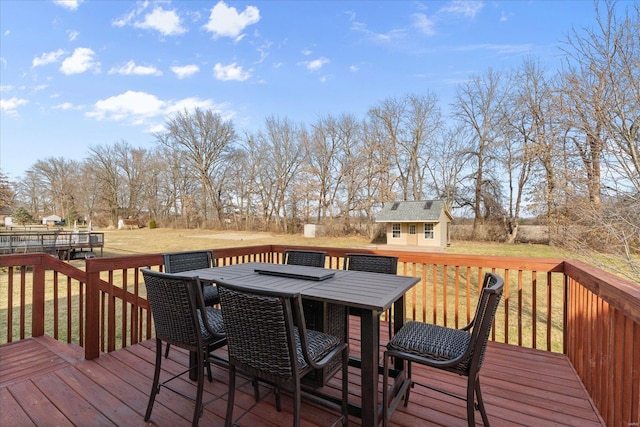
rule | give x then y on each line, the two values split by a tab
412	238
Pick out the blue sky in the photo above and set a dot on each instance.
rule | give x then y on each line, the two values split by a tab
75	74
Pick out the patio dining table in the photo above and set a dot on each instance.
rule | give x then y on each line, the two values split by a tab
371	293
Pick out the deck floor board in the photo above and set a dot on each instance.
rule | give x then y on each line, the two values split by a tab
45	382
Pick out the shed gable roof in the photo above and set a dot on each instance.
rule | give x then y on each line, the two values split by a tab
420	211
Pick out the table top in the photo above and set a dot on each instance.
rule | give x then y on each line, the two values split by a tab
370	291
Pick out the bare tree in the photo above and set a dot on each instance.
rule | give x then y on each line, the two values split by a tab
88	193
32	193
525	137
103	161
324	148
349	135
205	138
480	107
59	176
6	193
132	163
407	125
449	158
602	89
378	174
615	47
282	154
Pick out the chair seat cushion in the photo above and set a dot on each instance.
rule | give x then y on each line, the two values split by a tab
430	341
320	344
210	295
214	317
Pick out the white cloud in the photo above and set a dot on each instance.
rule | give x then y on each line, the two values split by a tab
306	52
225	21
73	35
424	24
354	68
316	64
185	70
130	68
10	106
264	51
167	22
63	106
391	36
47	58
141	108
80	61
6	88
230	72
38	88
129	17
68	4
468	8
132	105
498	48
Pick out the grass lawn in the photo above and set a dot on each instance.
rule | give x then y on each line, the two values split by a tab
145	241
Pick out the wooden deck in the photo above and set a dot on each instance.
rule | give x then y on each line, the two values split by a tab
44	382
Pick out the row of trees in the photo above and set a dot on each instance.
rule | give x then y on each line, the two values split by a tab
562	146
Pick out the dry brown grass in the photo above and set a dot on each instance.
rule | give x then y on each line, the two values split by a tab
145	241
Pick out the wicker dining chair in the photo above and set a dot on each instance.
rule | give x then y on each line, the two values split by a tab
320	316
268	340
460	351
375	264
179	262
177	308
300	257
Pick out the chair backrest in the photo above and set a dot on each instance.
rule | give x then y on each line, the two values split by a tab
178	262
260	330
174	302
485	313
308	258
372	263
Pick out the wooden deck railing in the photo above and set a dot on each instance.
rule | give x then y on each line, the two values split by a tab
551	304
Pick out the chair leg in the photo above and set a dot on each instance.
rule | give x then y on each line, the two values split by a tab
345	388
228	422
483	412
197	412
276	391
471	402
297	402
406	396
166	351
256	388
385	391
207	366
156	378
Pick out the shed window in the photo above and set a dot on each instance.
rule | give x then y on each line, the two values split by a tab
429	232
395	230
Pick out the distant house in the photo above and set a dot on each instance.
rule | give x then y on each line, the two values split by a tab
51	220
423	223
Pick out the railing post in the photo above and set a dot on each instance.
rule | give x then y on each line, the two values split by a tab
92	314
37	315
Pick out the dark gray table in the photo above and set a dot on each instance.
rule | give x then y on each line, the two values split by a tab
371	293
